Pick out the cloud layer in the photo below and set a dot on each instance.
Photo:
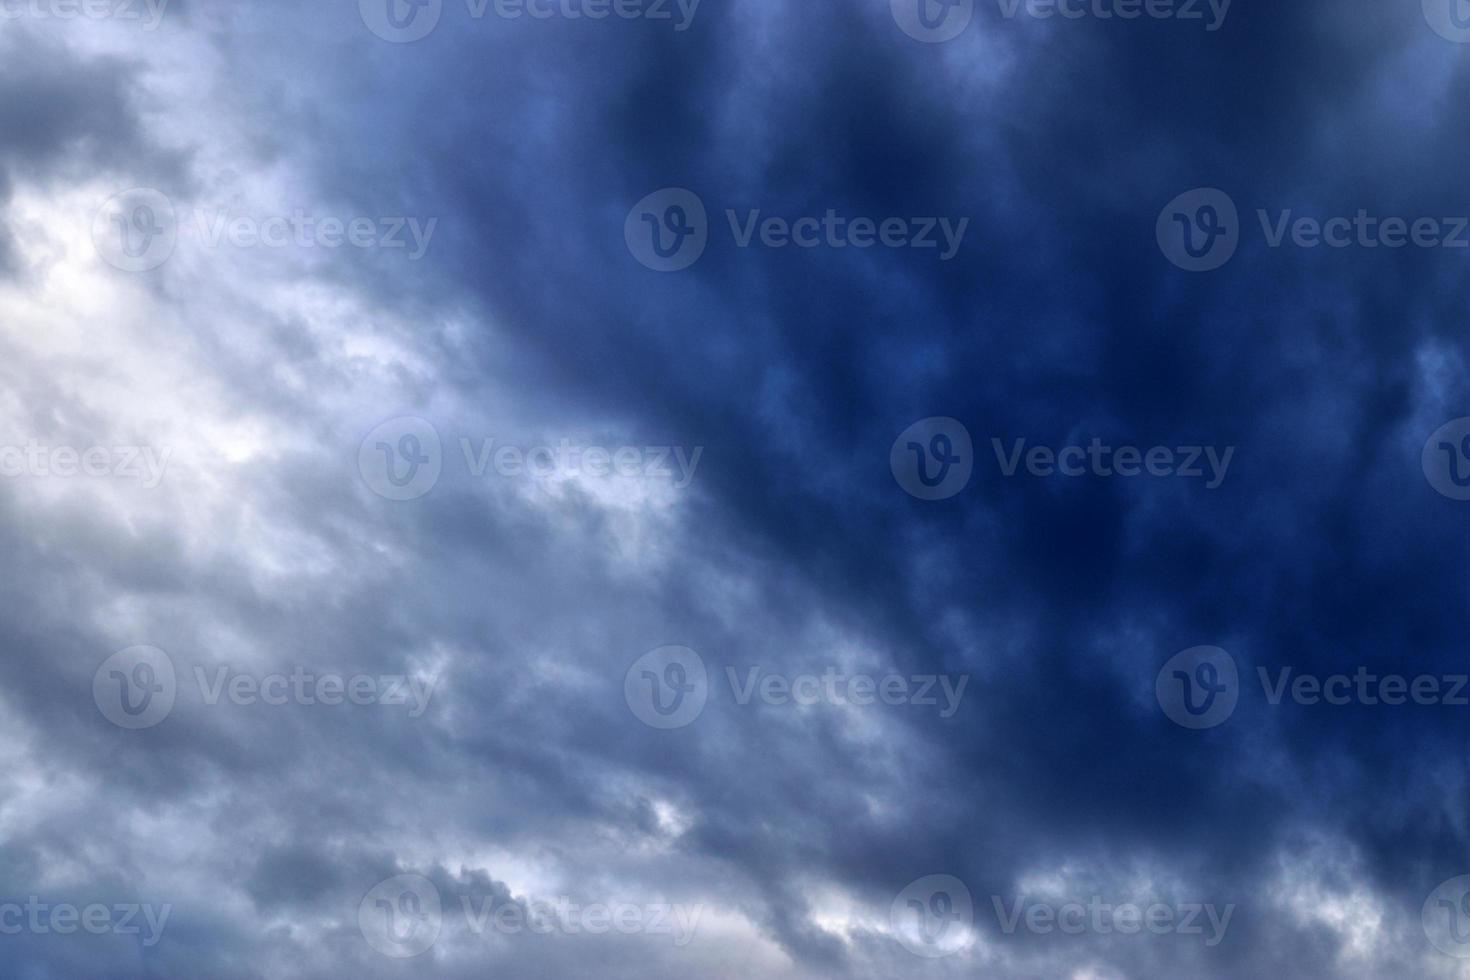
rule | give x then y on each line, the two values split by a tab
400	524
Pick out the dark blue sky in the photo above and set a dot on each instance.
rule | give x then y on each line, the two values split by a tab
773	463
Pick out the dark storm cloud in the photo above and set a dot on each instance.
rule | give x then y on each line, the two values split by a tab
1057	317
65	117
1057	320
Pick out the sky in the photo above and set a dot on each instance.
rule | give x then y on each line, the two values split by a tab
657	488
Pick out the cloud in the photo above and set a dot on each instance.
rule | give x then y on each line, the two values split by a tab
524	598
